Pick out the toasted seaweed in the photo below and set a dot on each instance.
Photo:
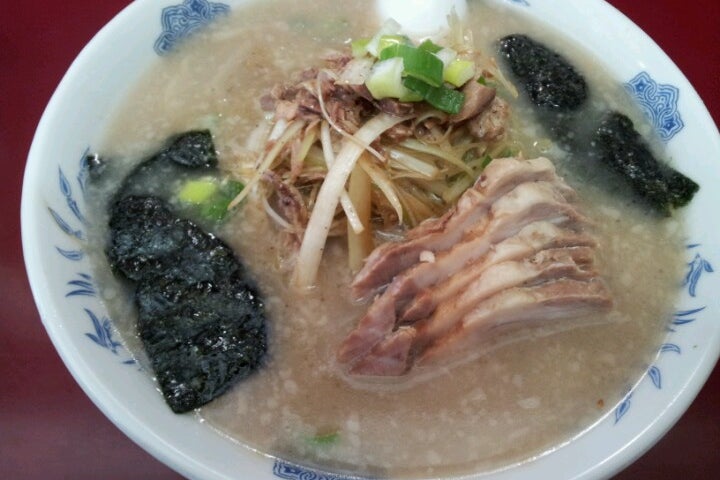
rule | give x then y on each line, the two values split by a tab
561	93
192	151
550	81
201	317
618	145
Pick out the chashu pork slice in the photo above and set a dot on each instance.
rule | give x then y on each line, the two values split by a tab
546	265
527	203
529	240
392	355
436	235
562	299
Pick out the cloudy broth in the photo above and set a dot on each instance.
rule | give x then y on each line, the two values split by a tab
524	395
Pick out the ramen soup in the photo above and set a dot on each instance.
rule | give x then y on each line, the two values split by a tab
524	392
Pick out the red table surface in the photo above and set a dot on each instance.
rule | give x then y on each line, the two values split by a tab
49	429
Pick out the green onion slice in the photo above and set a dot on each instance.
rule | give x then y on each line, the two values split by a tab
359	47
390	40
459	72
430	46
419	64
442	98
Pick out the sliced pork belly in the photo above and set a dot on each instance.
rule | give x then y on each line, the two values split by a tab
527	203
549	264
390	357
528	241
561	299
501	176
377	322
514	249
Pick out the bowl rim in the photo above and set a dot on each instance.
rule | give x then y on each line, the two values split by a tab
146	436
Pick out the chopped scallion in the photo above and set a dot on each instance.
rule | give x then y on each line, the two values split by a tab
197	191
430	46
359	47
385	81
442	98
323	440
446	56
217	207
390	27
419	64
390	40
459	72
209	197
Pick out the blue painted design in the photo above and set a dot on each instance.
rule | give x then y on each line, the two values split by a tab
103	335
670	347
83	286
180	21
623	407
696	268
290	471
655	376
65	226
66	190
682	317
84	171
660	103
524	3
74	255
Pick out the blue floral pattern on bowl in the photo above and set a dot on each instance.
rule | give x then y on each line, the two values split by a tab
81	284
659	102
290	471
180	21
696	268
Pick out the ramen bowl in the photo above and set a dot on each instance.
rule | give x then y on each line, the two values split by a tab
55	243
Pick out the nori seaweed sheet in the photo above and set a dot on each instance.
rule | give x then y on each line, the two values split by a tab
604	139
550	81
192	151
200	316
618	145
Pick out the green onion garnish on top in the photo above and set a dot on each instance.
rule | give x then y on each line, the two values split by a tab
417	63
427	72
390	40
430	46
209	196
443	98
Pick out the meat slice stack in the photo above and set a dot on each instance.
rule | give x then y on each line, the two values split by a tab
513	250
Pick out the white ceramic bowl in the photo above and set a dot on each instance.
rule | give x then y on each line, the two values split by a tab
54	228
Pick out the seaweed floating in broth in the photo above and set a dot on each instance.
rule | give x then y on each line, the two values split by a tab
200	316
189	152
619	146
560	93
550	81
